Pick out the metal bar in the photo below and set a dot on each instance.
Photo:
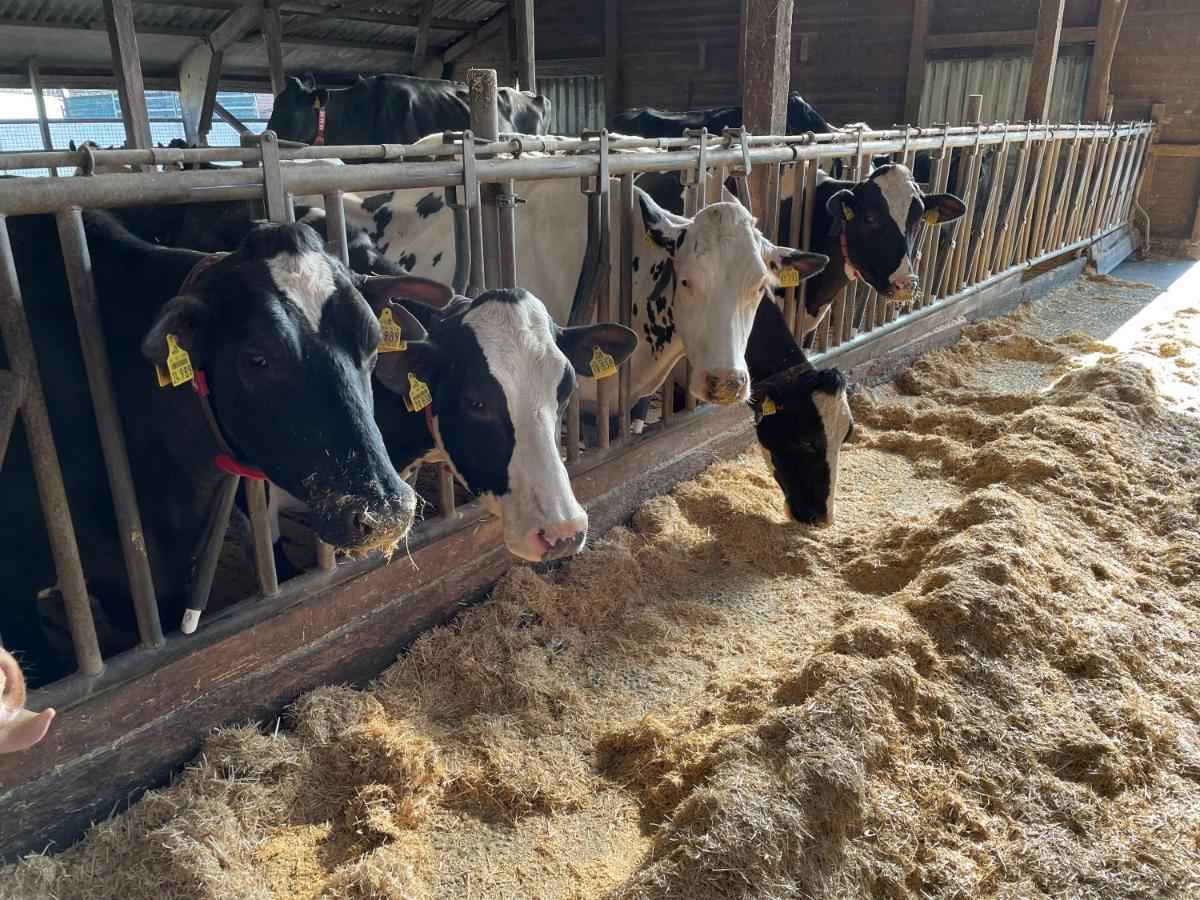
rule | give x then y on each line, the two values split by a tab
205	570
507	216
274	194
35	85
629	217
445	480
326	557
77	261
260	535
18	345
335	225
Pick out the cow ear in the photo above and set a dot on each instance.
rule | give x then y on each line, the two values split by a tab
421	357
781	259
660	229
946	207
589	347
765	391
378	291
185	318
841	209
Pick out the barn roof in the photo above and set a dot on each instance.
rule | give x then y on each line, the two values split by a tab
335	39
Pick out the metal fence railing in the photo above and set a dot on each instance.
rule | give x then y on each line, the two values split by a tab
1054	191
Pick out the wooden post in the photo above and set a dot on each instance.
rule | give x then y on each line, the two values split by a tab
127	69
1112	16
768	70
422	43
272	41
613	96
916	61
526	71
200	71
1045	55
35	84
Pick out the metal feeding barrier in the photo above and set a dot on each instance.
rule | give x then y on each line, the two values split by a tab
1052	190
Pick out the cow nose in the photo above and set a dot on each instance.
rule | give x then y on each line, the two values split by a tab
725	387
903	286
371	524
561	540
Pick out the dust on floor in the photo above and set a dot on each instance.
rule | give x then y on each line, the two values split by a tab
981	681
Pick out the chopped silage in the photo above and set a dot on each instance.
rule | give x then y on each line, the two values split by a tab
981	681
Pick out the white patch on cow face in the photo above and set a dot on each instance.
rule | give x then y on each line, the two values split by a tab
306	279
518	344
720	277
834	410
899	191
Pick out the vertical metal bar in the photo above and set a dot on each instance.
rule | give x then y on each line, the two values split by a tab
485	123
1075	218
260	535
625	303
273	194
445	492
472	201
507	216
78	263
18	345
806	239
205	571
1044	201
1008	228
793	314
335	224
35	84
604	314
839	319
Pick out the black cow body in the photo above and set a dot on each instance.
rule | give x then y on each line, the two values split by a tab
801	416
394	109
646	121
289	396
221	226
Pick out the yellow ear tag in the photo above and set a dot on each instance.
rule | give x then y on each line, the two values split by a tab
789	277
391	340
847	212
418	394
164	380
931	217
602	364
768	407
650	242
316	103
179	364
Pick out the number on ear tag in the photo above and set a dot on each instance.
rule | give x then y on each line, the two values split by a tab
179	364
391	339
602	364
931	217
847	212
789	277
768	407
418	394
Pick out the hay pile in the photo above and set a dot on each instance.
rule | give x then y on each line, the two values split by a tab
981	682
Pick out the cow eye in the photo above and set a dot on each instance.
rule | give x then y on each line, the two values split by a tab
806	446
685	282
868	219
258	360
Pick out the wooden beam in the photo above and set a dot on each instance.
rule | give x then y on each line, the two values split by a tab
35	85
613	95
1045	55
916	61
230	119
768	29
1178	151
337	12
422	44
461	47
127	67
200	70
1108	29
1022	38
526	59
272	35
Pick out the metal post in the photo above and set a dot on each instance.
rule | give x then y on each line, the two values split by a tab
335	225
21	359
205	570
485	123
273	193
260	535
629	216
35	84
78	263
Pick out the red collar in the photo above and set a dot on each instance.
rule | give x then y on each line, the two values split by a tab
225	460
319	140
846	255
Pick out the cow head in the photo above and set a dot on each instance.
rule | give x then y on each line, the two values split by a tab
19	728
293	117
716	268
802	418
287	345
879	217
500	372
523	112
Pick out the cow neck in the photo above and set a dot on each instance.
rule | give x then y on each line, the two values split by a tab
225	460
853	272
447	466
771	349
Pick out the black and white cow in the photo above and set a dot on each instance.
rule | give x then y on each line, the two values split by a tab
696	282
393	109
221	226
500	373
869	228
279	336
646	121
801	417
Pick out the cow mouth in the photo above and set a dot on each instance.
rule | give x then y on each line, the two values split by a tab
360	525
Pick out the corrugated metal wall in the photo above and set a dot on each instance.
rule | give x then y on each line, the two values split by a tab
1003	83
576	102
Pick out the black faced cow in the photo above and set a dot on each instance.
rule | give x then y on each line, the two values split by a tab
282	345
499	373
646	121
801	417
393	109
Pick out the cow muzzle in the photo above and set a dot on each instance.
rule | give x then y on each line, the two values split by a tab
560	540
724	386
903	287
360	525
